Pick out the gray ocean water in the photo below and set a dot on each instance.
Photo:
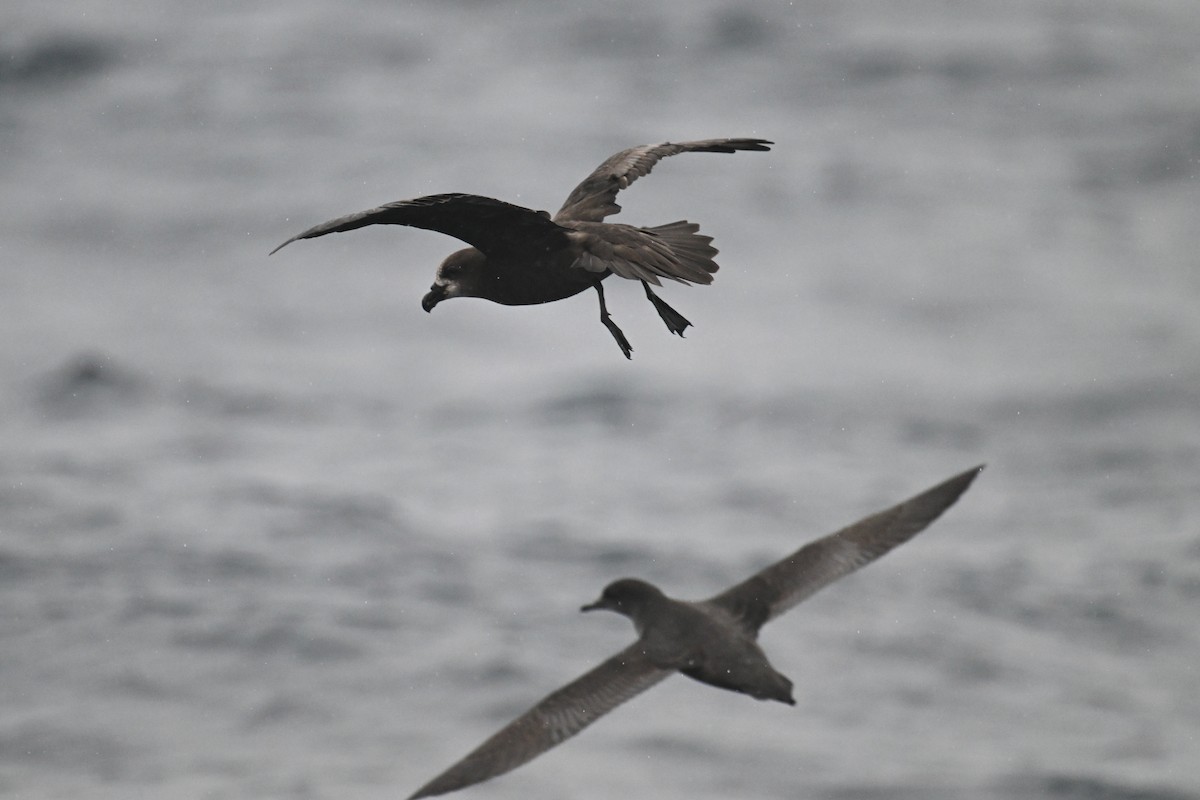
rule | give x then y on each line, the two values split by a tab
267	530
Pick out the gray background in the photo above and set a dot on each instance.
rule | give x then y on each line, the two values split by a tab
268	530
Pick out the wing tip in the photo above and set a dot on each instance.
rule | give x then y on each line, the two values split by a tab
285	244
758	145
437	786
953	488
971	474
744	143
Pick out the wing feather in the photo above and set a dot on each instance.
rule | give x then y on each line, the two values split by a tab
497	228
595	198
785	583
558	717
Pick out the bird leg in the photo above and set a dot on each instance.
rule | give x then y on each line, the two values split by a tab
616	332
676	323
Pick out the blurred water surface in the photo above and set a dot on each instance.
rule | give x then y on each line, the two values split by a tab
267	529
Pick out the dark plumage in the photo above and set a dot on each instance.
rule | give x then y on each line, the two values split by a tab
522	257
712	641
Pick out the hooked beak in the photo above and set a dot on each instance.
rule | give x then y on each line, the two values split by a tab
436	295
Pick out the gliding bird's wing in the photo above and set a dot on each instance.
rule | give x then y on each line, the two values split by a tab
558	717
499	229
785	583
595	198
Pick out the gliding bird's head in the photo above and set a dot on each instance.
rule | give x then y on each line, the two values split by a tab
459	275
627	596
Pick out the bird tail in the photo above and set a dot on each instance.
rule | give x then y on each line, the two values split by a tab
692	250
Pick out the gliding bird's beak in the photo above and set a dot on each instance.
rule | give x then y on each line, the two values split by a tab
436	295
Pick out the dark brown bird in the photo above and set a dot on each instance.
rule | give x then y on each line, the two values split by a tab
712	641
523	257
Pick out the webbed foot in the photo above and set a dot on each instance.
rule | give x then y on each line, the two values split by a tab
676	322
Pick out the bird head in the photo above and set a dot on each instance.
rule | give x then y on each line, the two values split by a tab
459	275
627	596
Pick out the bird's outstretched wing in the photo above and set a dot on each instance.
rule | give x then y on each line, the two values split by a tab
497	228
785	583
595	198
555	719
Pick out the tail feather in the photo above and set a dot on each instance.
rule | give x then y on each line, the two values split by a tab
693	251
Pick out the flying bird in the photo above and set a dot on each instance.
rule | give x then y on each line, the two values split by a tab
713	641
519	256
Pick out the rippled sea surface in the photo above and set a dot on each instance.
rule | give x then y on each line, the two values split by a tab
268	530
